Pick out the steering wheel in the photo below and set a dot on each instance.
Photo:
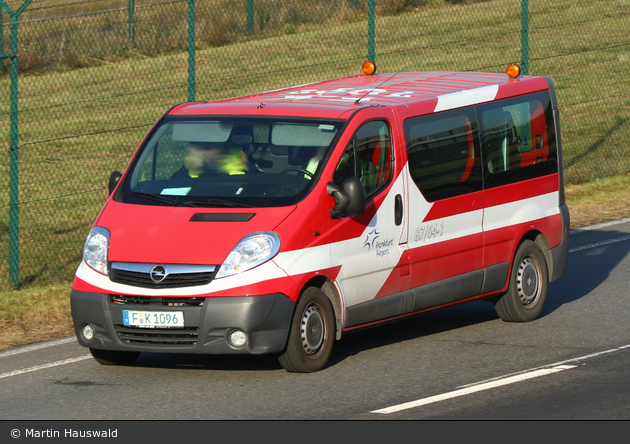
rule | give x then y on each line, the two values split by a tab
299	170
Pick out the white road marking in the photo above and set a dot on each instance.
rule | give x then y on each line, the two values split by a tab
598	226
41	345
473	389
498	382
44	366
599	244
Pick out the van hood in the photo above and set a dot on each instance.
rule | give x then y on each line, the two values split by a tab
181	235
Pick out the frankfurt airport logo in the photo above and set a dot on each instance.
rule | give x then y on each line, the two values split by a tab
373	243
370	239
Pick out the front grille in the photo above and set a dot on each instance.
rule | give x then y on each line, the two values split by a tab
157	301
157	336
160	276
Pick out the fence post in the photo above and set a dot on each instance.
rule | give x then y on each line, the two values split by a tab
371	32
14	211
191	51
131	12
525	36
1	38
250	15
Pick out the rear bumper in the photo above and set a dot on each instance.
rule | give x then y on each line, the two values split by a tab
560	254
266	319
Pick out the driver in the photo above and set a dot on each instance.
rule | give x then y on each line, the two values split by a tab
314	162
203	158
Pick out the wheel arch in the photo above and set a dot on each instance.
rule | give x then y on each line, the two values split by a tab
539	239
329	289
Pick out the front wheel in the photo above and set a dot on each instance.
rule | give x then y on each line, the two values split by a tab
312	334
527	290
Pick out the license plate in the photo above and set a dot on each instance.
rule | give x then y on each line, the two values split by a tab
153	319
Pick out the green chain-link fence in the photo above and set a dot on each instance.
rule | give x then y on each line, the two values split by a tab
95	74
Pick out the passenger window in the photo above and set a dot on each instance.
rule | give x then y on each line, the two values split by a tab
163	160
368	157
518	140
443	153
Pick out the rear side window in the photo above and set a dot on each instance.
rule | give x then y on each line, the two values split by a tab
517	138
443	153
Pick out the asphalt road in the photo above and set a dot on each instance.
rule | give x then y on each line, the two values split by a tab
463	363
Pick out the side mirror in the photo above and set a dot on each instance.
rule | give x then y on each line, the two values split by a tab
114	178
349	198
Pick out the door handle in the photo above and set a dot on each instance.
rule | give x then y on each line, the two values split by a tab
398	210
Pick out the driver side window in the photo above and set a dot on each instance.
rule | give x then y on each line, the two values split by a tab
367	157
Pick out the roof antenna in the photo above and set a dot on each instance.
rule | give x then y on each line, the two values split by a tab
356	102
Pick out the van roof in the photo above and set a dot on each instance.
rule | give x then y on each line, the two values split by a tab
340	98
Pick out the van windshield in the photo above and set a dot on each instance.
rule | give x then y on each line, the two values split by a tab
223	162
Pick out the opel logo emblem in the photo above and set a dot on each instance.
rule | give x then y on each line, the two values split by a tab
158	274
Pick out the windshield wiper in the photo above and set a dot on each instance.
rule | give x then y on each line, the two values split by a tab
188	203
155	198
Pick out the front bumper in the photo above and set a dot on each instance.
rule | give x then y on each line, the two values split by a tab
266	319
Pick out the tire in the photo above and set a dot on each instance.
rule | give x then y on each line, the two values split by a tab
527	290
114	357
312	334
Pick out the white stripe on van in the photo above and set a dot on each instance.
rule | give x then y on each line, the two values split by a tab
466	98
521	211
364	271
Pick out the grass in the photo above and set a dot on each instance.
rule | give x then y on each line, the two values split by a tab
34	314
62	36
78	125
598	201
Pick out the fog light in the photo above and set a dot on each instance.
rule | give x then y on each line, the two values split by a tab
237	338
88	332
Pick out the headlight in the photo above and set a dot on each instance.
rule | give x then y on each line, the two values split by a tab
251	251
95	249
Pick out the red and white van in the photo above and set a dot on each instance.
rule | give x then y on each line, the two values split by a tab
323	208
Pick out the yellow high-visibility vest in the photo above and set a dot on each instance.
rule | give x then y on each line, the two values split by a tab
235	162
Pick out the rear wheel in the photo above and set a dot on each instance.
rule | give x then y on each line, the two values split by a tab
527	290
312	334
114	357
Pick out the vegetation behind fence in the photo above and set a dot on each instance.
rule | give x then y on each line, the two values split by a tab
94	75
